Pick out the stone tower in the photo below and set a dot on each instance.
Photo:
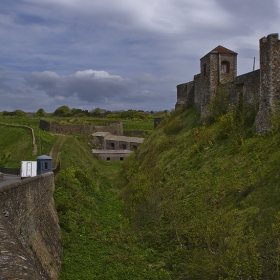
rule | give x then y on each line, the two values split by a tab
217	67
269	80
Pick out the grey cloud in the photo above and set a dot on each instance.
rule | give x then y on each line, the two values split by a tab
256	12
92	86
154	45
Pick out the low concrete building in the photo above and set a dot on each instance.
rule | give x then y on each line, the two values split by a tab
112	155
115	142
115	148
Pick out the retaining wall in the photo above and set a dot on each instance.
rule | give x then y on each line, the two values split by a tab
29	232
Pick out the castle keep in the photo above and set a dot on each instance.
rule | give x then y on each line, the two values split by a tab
219	68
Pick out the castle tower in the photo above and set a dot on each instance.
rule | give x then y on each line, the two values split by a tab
269	80
217	67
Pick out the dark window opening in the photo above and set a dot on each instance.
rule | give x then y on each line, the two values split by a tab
45	166
112	145
108	159
121	158
124	146
204	69
225	67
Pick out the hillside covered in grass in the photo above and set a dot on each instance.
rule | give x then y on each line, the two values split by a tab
206	196
98	242
195	201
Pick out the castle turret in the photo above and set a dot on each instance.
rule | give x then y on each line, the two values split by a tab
269	80
217	67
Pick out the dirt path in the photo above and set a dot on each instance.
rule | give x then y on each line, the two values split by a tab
55	150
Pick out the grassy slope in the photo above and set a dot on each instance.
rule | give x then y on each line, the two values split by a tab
207	201
203	203
18	141
15	143
98	242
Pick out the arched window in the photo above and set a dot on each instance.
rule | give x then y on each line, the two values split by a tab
225	67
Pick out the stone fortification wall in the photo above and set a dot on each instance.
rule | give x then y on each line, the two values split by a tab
114	128
258	87
248	85
29	231
269	80
185	94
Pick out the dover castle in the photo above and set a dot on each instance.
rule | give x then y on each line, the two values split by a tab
218	69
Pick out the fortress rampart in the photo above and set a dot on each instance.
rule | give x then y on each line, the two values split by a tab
218	69
29	232
114	128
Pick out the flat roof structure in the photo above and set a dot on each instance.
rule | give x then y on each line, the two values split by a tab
112	155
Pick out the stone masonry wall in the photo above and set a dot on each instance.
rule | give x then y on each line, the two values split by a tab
185	94
269	80
260	88
114	128
29	230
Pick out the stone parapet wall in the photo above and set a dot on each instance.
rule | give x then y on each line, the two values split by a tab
30	222
113	128
185	94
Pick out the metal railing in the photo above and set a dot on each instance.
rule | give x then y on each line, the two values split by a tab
10	171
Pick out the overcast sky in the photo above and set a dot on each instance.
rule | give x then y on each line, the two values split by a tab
119	54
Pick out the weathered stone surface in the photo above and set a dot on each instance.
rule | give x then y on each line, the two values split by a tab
15	263
30	218
257	87
114	128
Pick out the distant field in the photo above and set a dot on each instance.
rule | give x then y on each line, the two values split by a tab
138	125
32	122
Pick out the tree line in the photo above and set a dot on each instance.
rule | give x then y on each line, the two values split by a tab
65	111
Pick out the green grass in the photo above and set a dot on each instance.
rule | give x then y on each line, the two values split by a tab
208	198
97	238
15	145
98	242
196	201
44	140
138	125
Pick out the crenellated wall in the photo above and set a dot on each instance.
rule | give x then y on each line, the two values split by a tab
29	232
